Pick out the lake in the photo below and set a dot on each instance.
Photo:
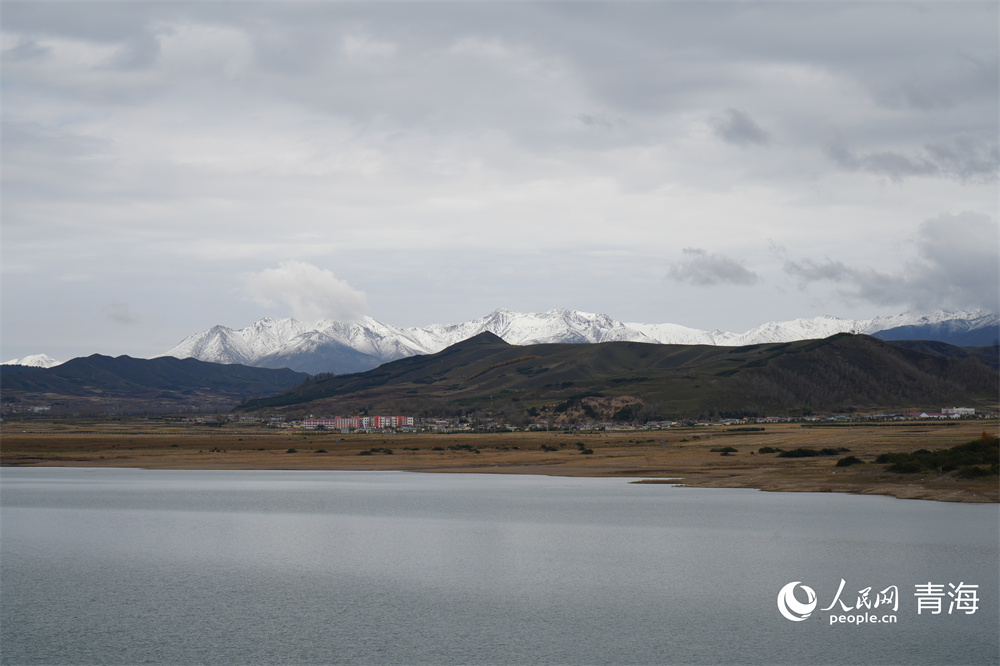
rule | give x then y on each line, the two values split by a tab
117	566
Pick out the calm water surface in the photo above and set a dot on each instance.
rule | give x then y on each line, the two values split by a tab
103	566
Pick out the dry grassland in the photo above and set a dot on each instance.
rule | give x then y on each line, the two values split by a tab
683	455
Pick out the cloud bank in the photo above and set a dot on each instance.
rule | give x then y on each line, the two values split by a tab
457	157
957	266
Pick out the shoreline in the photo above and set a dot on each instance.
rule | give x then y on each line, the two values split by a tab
687	457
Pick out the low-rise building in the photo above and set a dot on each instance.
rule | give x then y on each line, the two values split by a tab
958	411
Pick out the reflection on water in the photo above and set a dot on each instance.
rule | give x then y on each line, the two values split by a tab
131	566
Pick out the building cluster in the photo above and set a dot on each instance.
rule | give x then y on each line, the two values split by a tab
359	422
958	411
486	422
946	413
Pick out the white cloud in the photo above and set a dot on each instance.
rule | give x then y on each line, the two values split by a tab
312	293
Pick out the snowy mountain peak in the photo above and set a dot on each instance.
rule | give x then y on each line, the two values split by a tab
34	361
339	346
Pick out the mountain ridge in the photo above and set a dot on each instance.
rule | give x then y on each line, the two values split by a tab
625	380
346	347
117	384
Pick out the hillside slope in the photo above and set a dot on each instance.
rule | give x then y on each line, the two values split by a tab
644	380
166	381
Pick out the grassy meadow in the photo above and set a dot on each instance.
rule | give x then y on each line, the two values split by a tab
706	456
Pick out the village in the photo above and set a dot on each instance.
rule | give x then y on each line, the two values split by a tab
488	422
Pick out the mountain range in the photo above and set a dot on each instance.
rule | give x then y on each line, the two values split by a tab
555	382
629	381
347	347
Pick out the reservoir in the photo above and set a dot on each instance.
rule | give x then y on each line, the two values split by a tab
120	566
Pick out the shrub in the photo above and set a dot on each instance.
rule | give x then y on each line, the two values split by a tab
964	457
807	453
972	472
587	452
848	461
724	450
292	451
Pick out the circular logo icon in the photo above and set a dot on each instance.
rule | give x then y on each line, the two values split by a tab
792	608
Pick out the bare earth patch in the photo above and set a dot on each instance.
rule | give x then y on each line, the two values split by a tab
678	455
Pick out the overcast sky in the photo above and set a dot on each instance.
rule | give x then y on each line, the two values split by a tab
168	167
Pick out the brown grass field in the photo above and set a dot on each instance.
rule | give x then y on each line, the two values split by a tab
682	455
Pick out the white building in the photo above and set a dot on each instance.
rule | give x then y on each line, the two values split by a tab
958	411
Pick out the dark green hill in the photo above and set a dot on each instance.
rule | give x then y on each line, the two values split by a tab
650	380
989	355
103	380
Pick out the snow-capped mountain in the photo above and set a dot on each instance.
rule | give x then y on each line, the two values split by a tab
340	347
975	332
34	361
221	344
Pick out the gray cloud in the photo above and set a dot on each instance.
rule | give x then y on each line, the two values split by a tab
738	128
596	121
965	158
957	266
944	85
26	49
807	270
704	269
138	52
120	313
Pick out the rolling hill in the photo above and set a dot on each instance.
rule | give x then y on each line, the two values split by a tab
633	380
96	383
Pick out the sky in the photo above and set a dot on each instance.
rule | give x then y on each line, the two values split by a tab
172	166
